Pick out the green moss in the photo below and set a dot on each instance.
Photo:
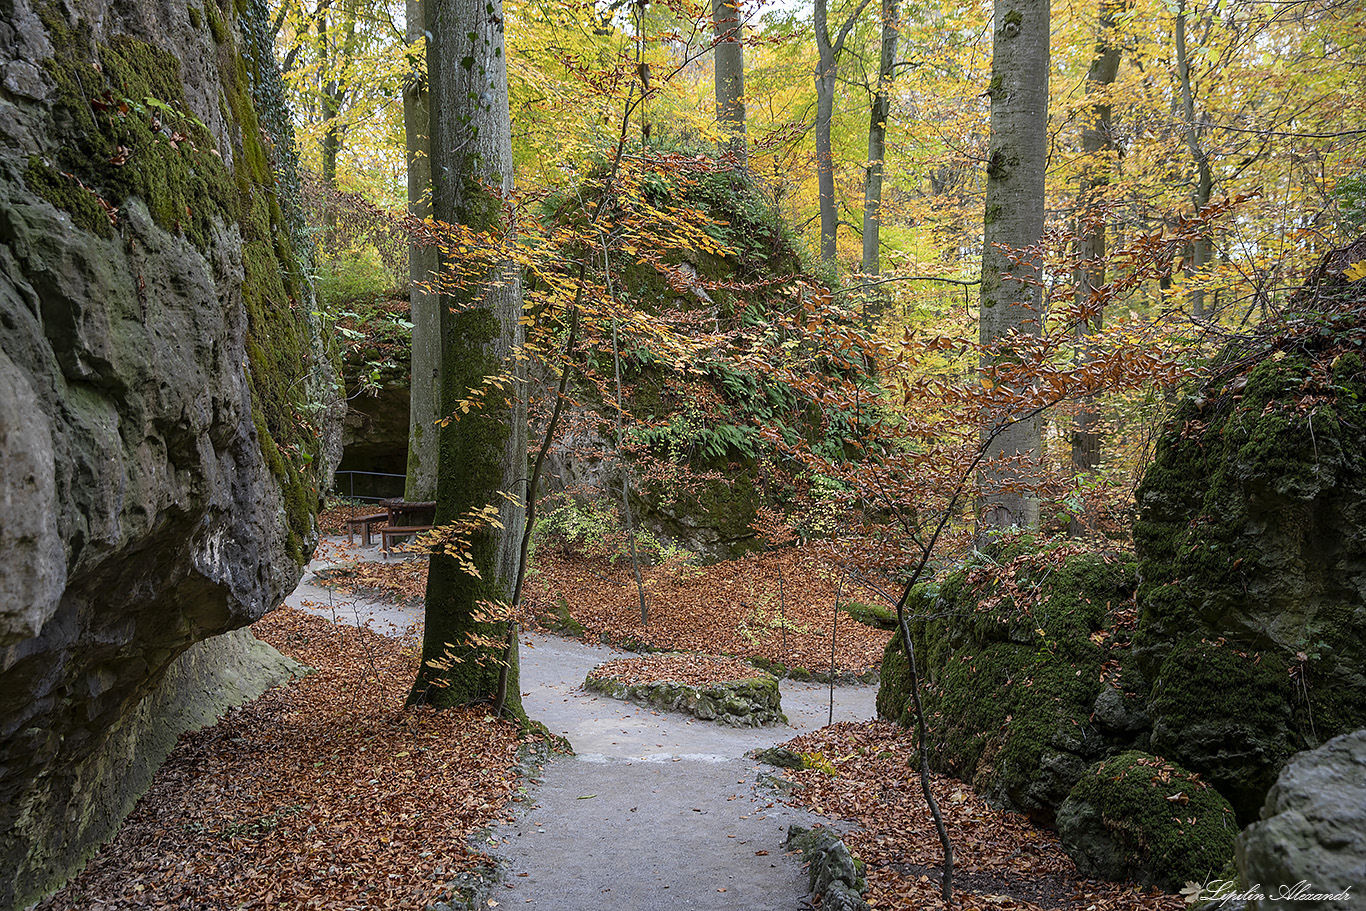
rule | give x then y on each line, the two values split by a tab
1008	688
217	26
1230	712
1166	825
64	192
135	137
1244	517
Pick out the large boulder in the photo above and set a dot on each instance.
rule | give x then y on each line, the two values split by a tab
1013	674
1136	817
1311	839
1251	538
164	398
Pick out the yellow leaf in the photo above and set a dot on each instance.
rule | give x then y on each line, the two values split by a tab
1356	271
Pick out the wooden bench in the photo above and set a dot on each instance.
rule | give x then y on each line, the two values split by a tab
387	533
365	525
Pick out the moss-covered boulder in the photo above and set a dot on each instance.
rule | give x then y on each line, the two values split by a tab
1014	659
751	702
1251	536
1136	817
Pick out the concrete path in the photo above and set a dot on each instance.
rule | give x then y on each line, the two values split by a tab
657	810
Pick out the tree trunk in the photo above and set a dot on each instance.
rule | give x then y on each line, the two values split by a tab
827	64
483	453
877	139
424	304
730	77
1097	139
1201	249
1011	301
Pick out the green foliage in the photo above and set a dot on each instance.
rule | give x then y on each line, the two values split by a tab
593	529
351	277
1350	196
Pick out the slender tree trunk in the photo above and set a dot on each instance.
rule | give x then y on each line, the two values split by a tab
1011	301
877	139
1202	248
483	453
827	66
730	77
424	304
1097	140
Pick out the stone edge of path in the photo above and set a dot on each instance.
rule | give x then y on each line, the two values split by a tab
472	889
836	877
753	702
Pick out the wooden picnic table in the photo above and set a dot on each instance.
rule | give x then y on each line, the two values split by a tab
405	518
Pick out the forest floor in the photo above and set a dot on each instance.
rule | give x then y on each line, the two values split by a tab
327	793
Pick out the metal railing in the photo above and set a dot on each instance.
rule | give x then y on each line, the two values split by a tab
350	488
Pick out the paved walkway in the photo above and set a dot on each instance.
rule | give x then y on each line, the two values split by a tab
656	810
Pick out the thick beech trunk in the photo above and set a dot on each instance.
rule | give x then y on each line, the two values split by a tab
483	452
1011	301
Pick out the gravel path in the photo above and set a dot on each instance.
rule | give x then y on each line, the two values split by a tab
656	810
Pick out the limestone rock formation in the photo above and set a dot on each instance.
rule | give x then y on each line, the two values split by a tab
1312	831
1237	640
1251	537
163	400
1011	686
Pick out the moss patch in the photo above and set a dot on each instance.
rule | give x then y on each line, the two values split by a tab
1138	817
134	136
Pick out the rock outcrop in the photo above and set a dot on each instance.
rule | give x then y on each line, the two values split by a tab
1251	538
1311	839
1237	639
748	703
1012	682
163	399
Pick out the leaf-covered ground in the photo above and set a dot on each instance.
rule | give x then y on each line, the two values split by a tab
1001	861
322	794
733	608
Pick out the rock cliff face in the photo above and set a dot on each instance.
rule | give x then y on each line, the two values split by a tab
162	397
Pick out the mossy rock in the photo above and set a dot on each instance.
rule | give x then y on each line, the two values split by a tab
1009	690
1252	621
873	615
738	703
1135	817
